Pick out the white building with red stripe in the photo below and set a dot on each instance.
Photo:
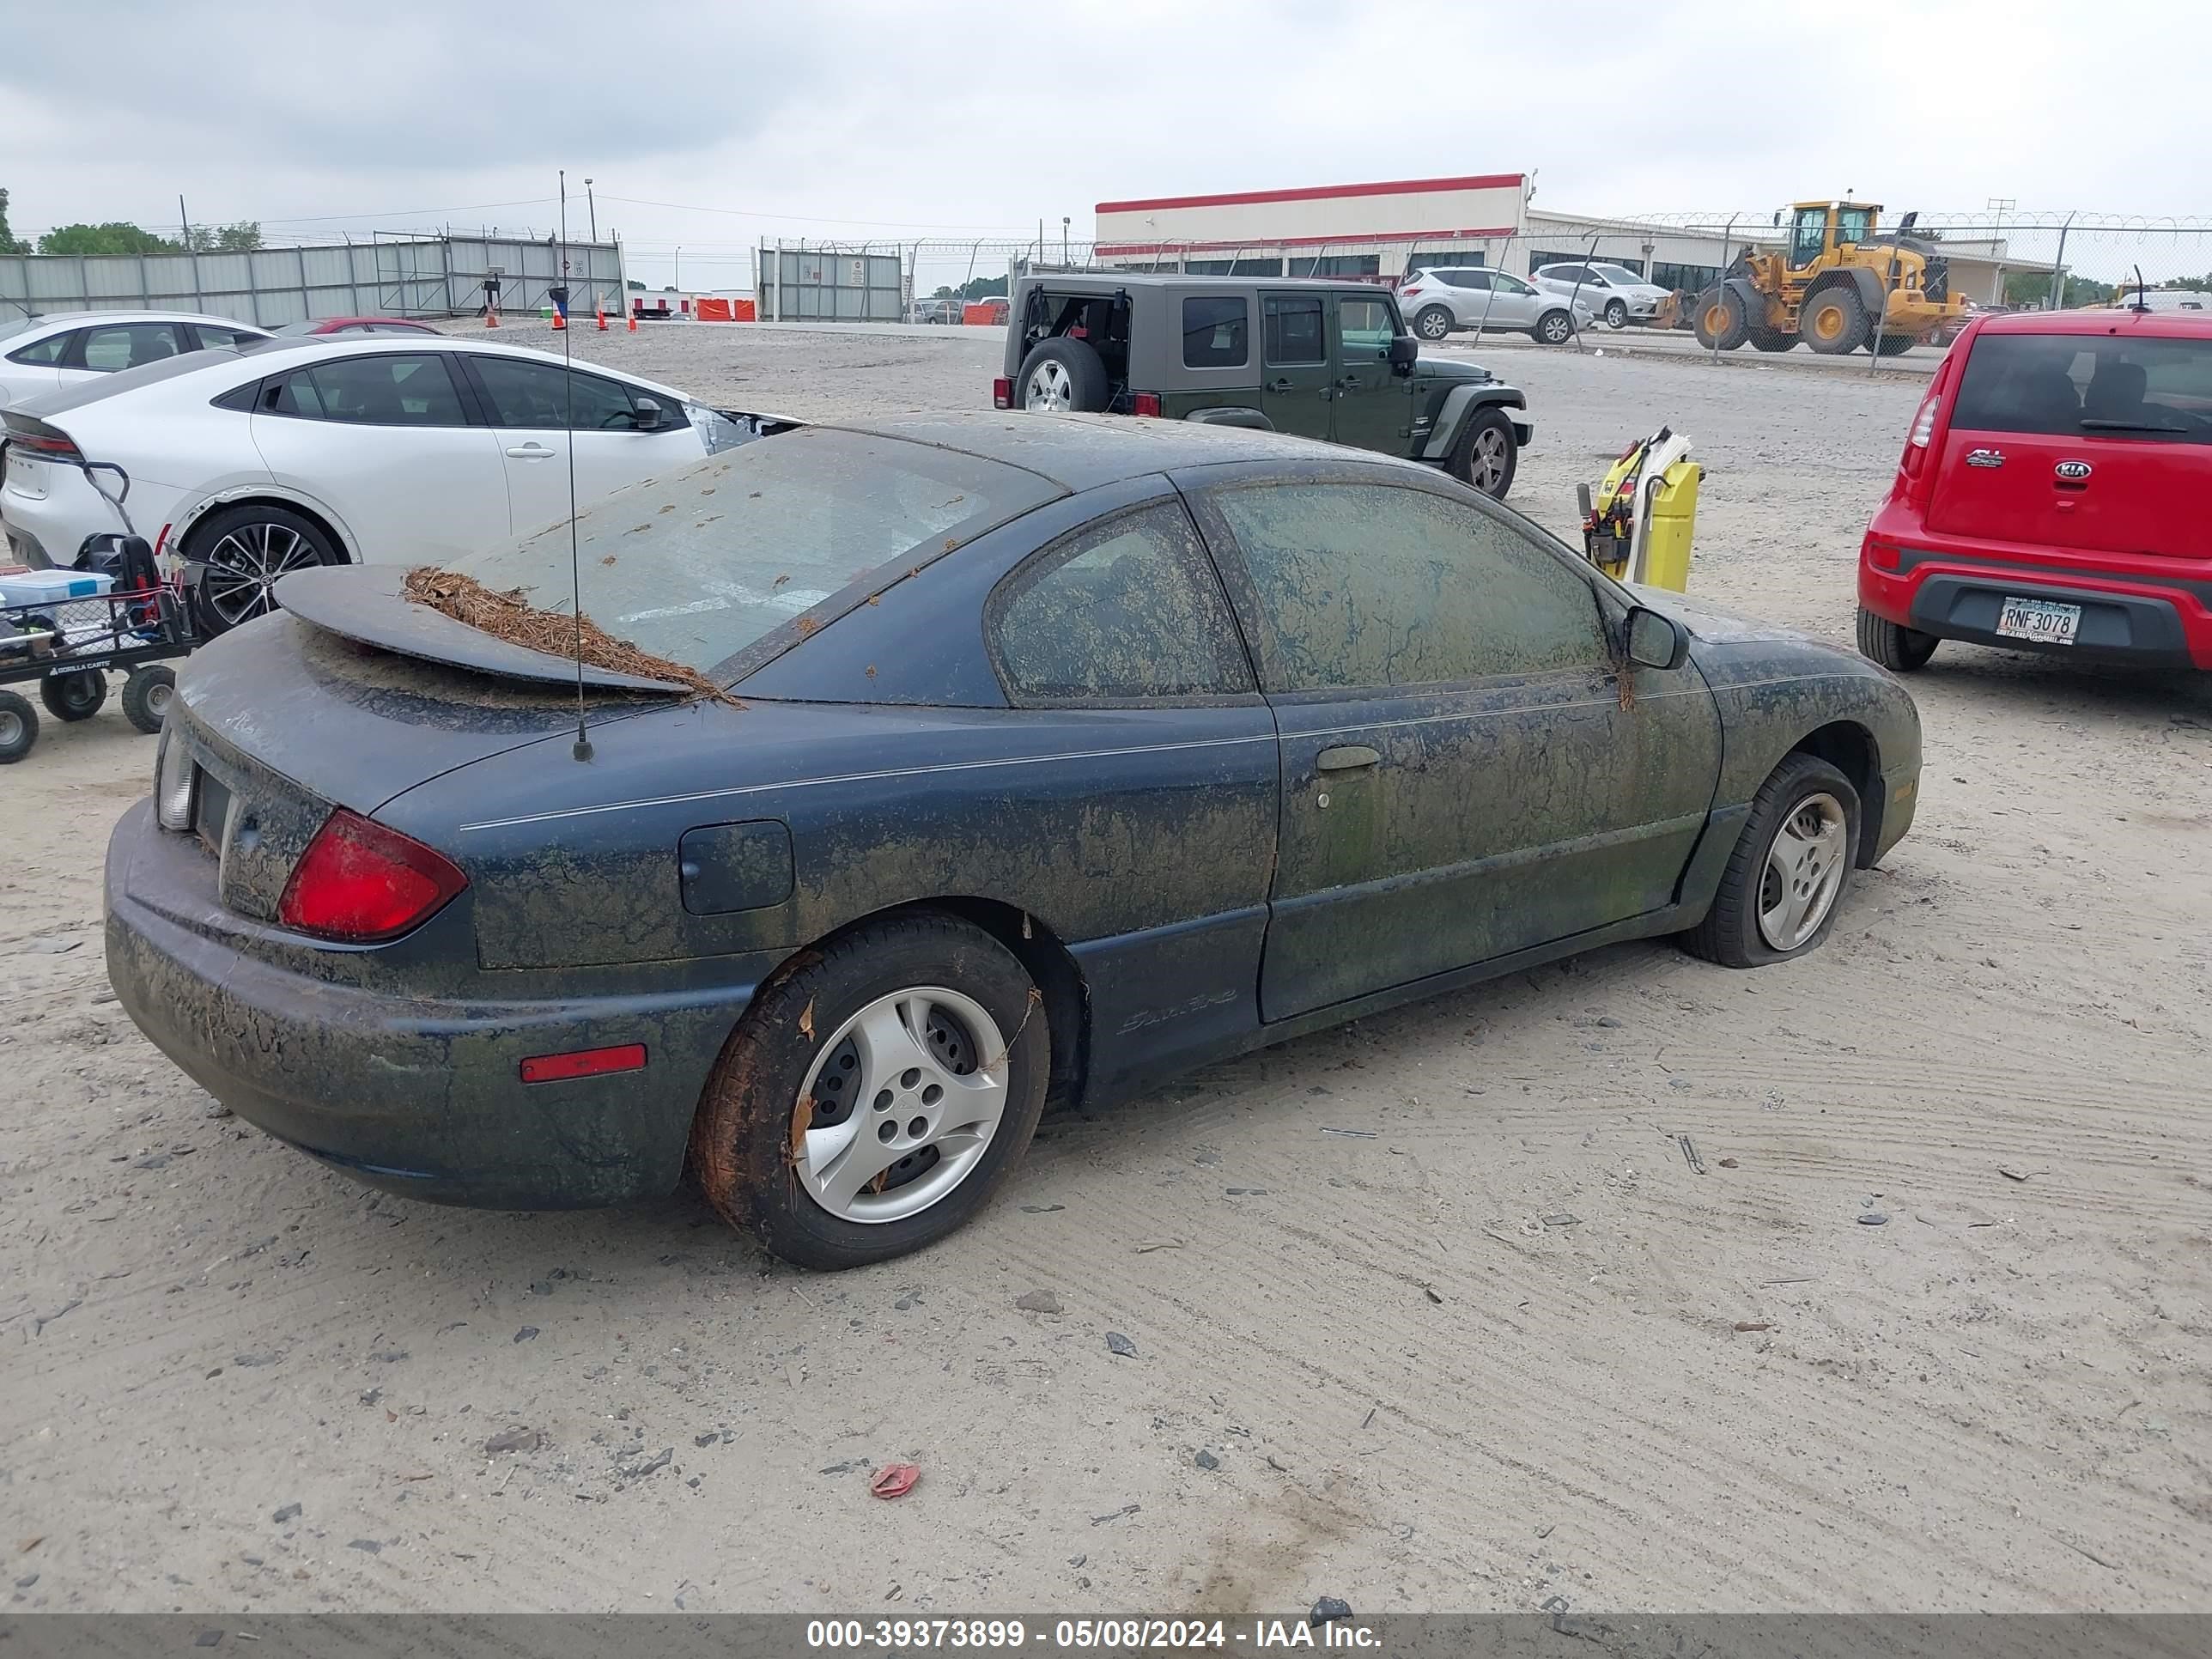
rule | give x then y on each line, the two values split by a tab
1377	230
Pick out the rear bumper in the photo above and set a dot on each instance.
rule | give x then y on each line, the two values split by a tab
2156	612
415	1095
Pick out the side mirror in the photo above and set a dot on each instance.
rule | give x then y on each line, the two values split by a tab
1656	641
1777	215
646	414
1405	352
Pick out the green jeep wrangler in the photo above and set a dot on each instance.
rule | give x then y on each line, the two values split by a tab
1317	359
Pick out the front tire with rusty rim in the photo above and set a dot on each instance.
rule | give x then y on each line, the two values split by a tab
876	1093
1786	877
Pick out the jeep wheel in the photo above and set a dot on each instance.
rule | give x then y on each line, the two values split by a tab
1555	328
1486	453
1063	376
1433	322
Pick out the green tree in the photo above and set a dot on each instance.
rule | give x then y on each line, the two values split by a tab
2032	288
983	288
243	237
96	241
8	242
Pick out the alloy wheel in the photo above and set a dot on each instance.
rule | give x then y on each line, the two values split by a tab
244	567
1804	872
1486	464
1051	389
899	1106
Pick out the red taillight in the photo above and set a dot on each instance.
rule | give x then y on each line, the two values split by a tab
1410	292
1884	556
1145	403
54	446
583	1062
1002	394
360	882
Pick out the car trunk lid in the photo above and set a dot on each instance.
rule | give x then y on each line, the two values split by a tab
2091	442
284	720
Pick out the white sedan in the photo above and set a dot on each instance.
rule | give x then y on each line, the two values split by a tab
369	448
39	354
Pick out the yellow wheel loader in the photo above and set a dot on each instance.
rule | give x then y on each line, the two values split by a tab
1835	284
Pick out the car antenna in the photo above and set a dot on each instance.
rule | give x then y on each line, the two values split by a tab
2143	299
582	748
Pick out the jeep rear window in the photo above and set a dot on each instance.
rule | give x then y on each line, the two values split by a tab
2088	386
1217	332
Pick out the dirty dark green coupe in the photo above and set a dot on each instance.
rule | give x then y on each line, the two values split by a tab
1060	753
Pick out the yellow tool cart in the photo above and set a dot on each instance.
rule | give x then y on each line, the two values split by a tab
1636	528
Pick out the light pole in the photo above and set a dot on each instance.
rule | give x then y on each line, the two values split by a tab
594	208
1063	238
1999	205
679	267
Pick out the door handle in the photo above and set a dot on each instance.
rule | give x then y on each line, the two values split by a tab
1349	383
1346	758
1284	385
531	452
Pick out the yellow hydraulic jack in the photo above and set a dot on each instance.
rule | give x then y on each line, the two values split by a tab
1636	528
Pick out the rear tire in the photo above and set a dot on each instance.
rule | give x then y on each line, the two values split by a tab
1721	323
1433	322
1554	328
1063	376
1834	321
899	1010
1763	338
1786	877
75	696
146	696
19	727
1892	345
1485	455
243	552
1896	648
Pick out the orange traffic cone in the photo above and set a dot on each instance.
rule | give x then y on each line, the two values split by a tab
559	321
491	318
602	314
633	319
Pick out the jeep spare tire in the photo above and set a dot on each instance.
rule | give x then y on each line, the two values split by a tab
1061	376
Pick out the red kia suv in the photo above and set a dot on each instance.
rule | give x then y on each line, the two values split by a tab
2054	494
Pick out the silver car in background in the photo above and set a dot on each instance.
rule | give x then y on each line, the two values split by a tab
1615	292
1440	299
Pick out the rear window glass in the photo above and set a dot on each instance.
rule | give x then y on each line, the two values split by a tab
699	564
2088	385
1216	333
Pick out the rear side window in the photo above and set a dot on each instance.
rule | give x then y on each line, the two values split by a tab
381	390
1126	611
1294	330
1216	332
112	346
2088	386
212	337
48	350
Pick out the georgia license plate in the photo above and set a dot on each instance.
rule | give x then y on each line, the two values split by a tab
2040	622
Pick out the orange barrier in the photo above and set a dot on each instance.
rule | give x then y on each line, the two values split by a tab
712	311
743	311
982	313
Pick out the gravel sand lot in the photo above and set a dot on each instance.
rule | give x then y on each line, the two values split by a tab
1512	1347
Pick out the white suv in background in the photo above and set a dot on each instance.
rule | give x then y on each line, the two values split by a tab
1438	300
1619	294
39	354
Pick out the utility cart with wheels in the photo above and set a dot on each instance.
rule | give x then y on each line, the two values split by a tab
69	630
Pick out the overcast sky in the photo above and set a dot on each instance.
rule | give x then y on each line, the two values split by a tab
836	118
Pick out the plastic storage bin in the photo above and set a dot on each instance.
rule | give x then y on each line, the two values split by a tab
46	587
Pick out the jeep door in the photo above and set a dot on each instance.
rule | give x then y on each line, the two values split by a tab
1296	376
1374	407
